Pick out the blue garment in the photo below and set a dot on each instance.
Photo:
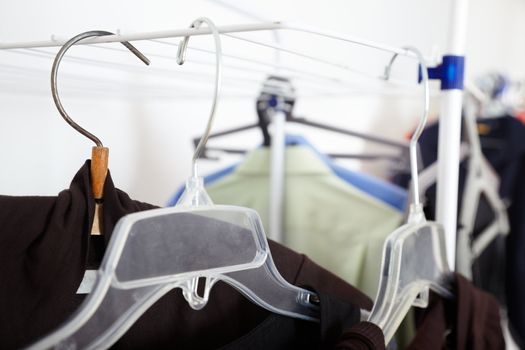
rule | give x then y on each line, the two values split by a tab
388	193
391	194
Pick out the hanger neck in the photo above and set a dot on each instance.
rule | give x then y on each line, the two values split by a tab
99	171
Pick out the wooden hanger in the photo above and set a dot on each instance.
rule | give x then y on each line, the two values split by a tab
99	153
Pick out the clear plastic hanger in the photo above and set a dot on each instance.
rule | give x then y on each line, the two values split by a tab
414	259
481	181
154	251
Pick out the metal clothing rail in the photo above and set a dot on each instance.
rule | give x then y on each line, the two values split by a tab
451	101
340	88
281	67
240	28
305	76
300	75
155	36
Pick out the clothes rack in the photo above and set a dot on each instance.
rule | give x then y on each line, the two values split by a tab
451	101
298	74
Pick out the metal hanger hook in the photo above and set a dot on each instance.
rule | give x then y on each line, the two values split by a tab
181	57
422	121
54	73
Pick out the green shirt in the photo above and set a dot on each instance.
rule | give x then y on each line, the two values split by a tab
337	225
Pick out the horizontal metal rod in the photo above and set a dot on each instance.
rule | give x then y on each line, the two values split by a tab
147	36
139	69
348	85
376	139
238	28
309	74
228	132
228	80
303	55
371	156
366	156
349	39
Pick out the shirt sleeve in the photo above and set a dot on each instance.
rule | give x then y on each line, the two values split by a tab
362	336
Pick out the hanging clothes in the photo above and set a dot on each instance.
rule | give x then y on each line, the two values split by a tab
339	226
470	322
45	247
504	148
390	194
502	145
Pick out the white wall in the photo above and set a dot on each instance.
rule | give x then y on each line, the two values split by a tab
147	115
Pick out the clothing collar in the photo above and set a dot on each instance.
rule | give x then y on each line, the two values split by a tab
299	160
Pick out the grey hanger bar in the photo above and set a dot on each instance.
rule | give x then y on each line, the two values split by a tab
369	156
371	138
366	156
227	132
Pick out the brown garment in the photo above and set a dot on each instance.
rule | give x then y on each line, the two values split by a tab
280	332
470	322
362	336
44	243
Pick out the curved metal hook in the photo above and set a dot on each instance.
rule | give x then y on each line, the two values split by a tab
54	73
181	57
422	121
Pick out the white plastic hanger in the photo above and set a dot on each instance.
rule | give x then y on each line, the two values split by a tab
481	180
414	259
154	251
